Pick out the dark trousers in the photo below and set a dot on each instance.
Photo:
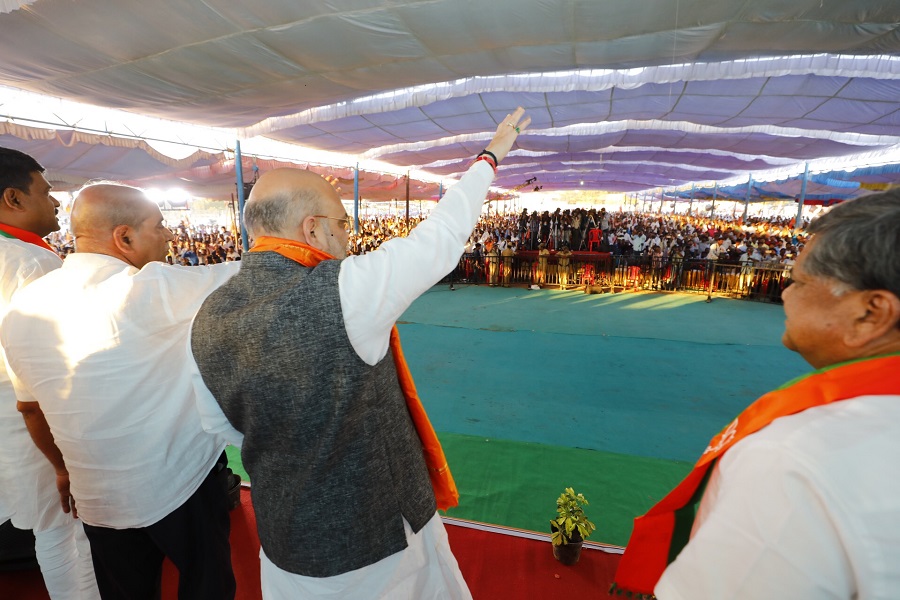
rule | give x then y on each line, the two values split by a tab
195	537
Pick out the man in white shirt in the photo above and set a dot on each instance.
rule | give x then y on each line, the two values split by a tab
755	254
714	249
110	369
28	480
803	492
637	241
345	483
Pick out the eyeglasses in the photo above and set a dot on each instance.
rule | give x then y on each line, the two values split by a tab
347	221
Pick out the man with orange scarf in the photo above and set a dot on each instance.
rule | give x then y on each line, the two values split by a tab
799	497
301	353
28	480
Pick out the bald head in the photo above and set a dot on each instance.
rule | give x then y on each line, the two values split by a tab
283	198
99	208
119	220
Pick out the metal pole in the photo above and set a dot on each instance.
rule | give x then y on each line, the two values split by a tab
747	199
233	215
802	198
356	199
712	209
691	203
239	173
407	199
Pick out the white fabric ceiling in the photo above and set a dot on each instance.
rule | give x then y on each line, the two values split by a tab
625	95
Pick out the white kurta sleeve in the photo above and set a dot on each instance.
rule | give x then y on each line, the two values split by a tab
186	288
377	287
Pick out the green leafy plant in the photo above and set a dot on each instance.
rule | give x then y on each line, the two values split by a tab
571	518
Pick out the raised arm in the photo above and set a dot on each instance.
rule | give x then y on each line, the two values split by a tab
376	288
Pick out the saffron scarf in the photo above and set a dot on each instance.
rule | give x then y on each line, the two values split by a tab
8	231
660	535
445	491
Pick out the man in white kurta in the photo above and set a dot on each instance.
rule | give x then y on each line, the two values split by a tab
789	512
28	481
809	506
101	346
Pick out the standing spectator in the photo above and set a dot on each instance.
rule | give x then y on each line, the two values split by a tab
546	221
562	265
604	229
493	266
507	257
543	259
715	249
533	230
523	224
637	241
576	228
477	263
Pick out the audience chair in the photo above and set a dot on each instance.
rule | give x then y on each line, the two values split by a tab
587	276
593	239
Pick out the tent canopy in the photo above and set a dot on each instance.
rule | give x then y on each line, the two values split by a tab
624	96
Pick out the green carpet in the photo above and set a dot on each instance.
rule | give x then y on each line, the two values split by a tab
516	483
234	462
614	395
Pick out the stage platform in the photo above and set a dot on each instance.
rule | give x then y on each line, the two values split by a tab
532	391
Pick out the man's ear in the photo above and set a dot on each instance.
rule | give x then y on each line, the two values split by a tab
878	316
123	239
10	199
310	232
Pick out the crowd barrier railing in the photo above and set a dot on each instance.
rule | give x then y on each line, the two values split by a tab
604	272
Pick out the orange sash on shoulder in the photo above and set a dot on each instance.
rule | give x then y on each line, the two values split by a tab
438	470
664	531
8	231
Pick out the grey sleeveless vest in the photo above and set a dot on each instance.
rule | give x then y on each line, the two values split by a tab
333	457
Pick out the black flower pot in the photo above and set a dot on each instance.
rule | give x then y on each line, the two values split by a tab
568	554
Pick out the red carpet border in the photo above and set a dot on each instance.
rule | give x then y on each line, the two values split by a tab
498	563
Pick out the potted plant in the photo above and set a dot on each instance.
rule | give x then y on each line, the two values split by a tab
570	528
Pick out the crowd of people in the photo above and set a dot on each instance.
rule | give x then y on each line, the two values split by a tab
629	233
621	233
130	389
192	246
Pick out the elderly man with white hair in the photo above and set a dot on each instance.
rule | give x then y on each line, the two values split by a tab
799	496
301	352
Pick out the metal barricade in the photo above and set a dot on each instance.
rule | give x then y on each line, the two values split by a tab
762	282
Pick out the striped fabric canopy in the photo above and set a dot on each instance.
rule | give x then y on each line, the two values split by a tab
625	96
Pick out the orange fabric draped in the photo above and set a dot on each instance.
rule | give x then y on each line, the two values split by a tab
438	470
9	231
662	533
